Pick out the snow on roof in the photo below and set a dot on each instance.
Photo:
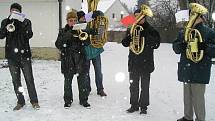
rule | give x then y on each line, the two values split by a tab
103	5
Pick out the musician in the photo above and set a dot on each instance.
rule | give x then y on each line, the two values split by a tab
141	66
94	54
195	76
73	61
18	53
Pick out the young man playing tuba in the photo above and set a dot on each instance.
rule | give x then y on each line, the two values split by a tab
141	65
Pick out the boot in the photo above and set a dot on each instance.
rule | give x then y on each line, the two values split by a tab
18	106
101	93
36	106
143	110
85	104
183	119
132	109
67	105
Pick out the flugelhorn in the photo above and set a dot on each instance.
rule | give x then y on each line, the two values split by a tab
11	27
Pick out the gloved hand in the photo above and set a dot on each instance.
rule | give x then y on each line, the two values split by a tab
202	46
97	13
183	45
92	31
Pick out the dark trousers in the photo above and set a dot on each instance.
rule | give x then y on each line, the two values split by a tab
82	87
98	73
142	99
15	68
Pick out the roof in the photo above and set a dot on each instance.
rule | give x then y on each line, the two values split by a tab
103	5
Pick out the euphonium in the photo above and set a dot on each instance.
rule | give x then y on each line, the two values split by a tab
100	24
193	36
10	27
137	43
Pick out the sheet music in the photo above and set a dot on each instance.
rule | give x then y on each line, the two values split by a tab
182	15
18	16
81	26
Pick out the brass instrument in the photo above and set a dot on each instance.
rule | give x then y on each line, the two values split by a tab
11	27
193	36
100	24
81	35
137	43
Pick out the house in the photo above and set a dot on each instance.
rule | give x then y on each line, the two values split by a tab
113	9
44	15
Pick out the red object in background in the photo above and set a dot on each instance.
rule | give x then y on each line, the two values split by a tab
128	20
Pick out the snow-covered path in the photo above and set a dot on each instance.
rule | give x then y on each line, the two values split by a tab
165	92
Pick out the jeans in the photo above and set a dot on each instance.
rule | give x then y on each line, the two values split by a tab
15	68
98	73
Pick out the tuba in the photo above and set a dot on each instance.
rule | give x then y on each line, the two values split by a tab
137	43
100	24
193	36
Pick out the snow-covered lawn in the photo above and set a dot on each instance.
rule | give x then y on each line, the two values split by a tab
165	92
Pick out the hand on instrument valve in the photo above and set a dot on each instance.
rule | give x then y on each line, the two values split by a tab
202	46
126	41
183	46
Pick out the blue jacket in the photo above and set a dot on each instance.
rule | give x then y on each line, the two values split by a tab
92	52
189	71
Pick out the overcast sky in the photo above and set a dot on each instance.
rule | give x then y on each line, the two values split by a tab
130	3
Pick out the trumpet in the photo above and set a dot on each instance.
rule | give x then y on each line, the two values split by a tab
11	27
81	35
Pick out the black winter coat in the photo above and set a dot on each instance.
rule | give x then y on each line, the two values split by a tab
189	71
73	58
144	62
17	42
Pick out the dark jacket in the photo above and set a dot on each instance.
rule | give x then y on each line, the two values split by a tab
17	42
72	51
144	62
189	71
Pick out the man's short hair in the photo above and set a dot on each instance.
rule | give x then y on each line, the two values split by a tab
71	14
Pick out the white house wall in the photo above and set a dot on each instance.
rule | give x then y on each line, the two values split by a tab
116	8
44	16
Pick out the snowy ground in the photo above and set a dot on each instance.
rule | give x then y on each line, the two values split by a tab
165	92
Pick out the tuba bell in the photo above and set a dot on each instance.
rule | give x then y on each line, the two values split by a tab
137	43
11	27
100	24
193	36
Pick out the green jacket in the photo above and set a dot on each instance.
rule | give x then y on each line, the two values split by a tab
92	52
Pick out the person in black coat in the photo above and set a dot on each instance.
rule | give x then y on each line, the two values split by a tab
141	66
195	76
18	53
73	61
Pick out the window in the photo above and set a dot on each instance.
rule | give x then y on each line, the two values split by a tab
113	15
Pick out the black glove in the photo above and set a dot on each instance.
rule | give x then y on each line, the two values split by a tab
183	45
126	41
92	31
202	46
97	13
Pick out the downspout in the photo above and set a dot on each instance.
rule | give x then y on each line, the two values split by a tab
60	14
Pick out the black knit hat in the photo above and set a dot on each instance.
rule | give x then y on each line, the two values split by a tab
137	11
80	14
16	6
